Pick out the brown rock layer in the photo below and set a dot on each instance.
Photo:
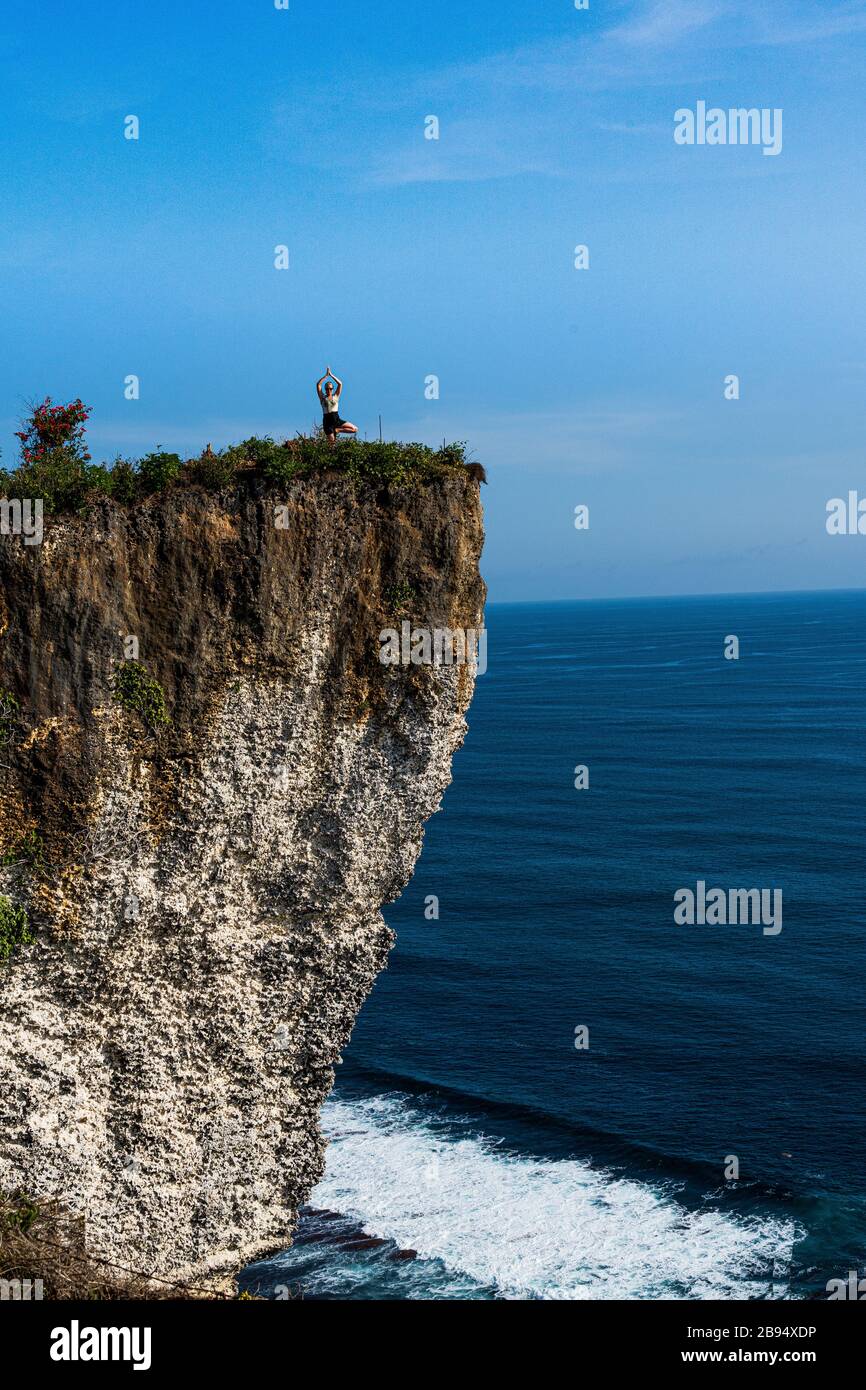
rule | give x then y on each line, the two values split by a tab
205	894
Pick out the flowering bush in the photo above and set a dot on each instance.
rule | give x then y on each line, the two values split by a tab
53	427
55	462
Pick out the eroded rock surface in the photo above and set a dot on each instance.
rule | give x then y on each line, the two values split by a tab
206	896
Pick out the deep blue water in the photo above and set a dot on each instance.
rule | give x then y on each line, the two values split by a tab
467	1127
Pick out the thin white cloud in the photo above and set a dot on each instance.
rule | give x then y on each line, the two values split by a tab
745	22
503	115
473	150
774	24
668	21
577	442
635	127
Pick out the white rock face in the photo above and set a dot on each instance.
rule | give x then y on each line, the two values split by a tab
210	926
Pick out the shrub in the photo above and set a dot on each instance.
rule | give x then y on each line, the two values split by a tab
158	470
54	457
14	928
213	470
52	427
98	479
374	461
138	691
294	459
258	452
124	481
59	478
276	462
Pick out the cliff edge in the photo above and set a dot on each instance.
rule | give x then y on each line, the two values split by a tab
210	786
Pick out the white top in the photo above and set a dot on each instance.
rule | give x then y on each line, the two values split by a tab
330	403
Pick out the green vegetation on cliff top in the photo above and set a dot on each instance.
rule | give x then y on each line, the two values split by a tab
67	481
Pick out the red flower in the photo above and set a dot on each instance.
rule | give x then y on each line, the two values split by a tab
53	426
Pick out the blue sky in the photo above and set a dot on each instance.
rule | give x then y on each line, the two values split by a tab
411	257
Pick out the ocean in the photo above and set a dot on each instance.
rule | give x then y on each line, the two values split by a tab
708	1140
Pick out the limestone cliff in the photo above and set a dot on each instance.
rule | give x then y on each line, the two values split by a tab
204	894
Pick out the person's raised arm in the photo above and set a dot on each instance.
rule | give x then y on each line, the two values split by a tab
339	383
320	383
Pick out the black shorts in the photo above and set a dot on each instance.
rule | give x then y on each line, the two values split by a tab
331	422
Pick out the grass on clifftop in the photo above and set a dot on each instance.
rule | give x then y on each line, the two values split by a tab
67	482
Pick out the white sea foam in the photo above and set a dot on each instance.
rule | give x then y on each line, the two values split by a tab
558	1229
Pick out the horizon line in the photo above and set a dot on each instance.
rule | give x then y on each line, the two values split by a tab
648	598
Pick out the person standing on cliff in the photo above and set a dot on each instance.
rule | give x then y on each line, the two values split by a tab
332	423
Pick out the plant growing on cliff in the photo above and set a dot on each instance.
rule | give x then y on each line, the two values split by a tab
214	470
139	692
14	928
29	850
158	471
50	427
55	461
373	461
122	481
56	467
398	598
9	708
